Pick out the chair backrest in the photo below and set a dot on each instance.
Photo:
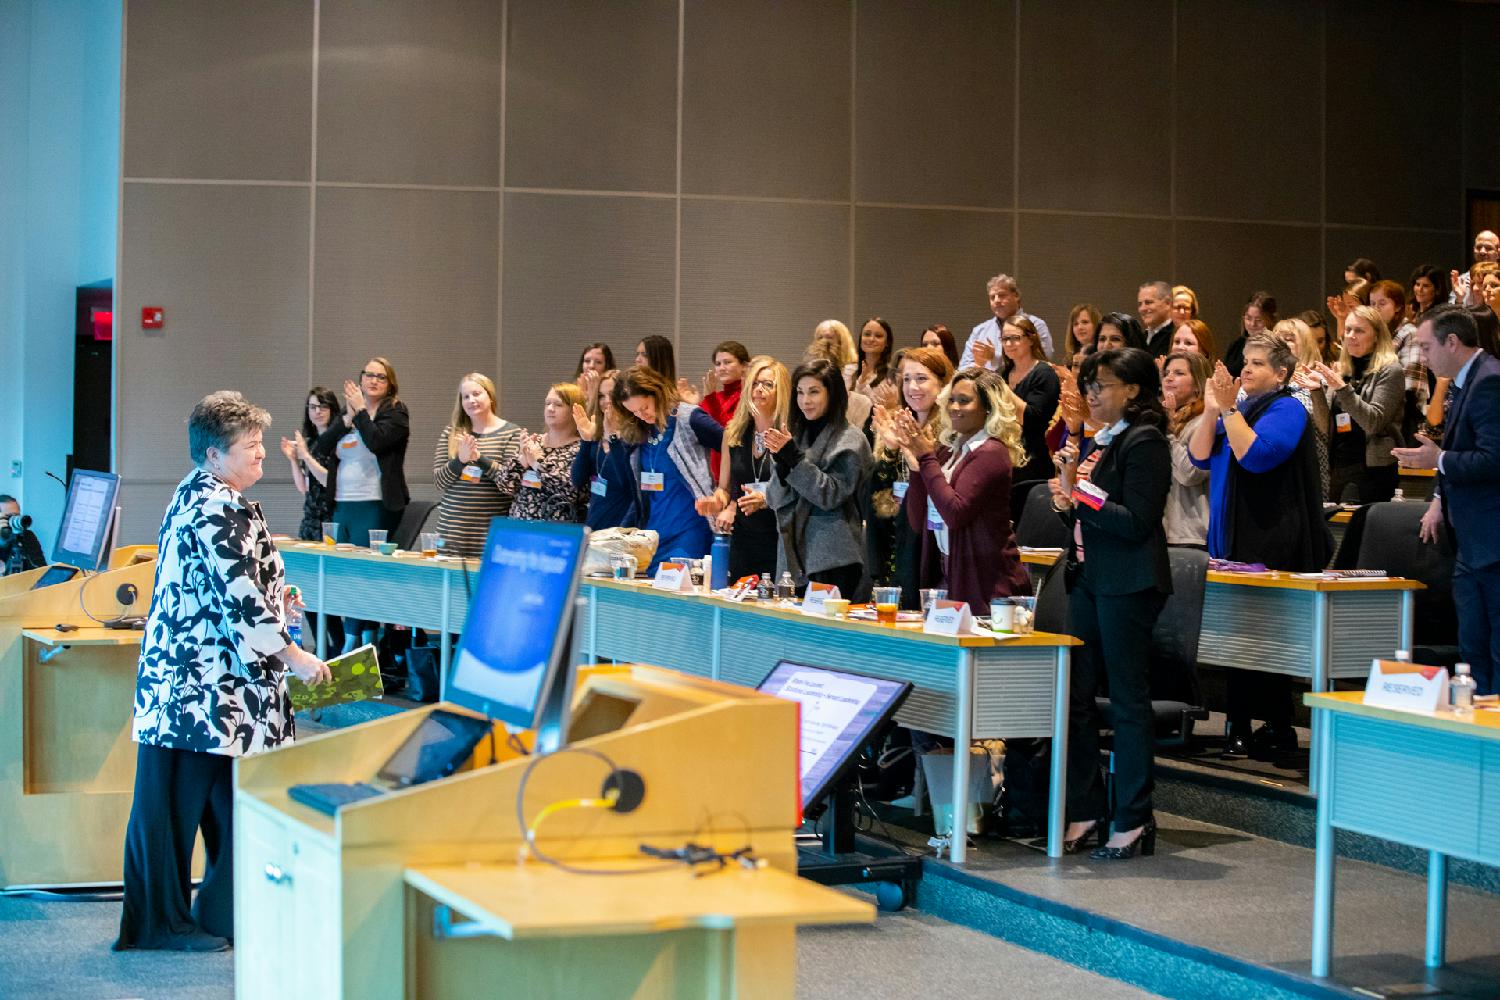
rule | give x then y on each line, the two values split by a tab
1174	640
1052	601
413	520
1391	542
1039	526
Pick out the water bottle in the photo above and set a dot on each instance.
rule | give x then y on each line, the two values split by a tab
1398	496
765	589
786	590
294	615
719	552
1461	691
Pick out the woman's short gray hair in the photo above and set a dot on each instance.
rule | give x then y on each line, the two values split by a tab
219	420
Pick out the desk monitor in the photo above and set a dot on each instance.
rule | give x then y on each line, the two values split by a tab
841	712
56	573
83	535
514	660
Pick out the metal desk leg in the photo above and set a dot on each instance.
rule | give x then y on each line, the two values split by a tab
1408	606
322	615
716	644
593	625
1058	809
963	734
1323	869
1322	644
445	641
1437	909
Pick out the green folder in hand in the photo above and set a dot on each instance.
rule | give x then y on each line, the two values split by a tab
356	676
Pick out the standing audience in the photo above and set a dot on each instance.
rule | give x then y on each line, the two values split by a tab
1365	409
983	346
471	453
539	477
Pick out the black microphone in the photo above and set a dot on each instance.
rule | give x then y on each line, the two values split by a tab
52	475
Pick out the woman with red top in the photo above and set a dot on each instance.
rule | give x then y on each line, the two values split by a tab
721	389
959	498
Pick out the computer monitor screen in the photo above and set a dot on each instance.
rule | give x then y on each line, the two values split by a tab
434	750
515	643
841	712
83	535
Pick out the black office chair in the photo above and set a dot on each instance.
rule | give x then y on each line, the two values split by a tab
1176	700
413	520
1051	613
1391	542
1039	526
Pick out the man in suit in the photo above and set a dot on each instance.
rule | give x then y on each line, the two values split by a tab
1153	304
1468	483
983	346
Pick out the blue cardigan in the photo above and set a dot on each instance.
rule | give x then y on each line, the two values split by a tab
617	507
1277	432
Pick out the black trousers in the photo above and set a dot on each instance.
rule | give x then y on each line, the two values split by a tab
1116	634
1476	598
178	793
1251	694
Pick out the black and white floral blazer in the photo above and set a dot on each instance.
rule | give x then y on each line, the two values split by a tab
209	678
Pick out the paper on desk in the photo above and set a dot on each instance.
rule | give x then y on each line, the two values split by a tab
356	677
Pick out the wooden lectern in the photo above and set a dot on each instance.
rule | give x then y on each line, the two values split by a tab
423	892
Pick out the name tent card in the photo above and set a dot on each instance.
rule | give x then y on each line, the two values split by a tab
1406	686
949	618
818	594
673	576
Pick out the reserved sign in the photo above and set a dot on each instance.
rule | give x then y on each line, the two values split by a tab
1408	686
673	576
814	602
949	618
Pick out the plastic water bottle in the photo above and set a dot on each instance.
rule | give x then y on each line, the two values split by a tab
294	615
1461	691
765	588
785	588
719	552
1398	496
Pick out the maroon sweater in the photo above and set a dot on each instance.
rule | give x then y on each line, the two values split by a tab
983	561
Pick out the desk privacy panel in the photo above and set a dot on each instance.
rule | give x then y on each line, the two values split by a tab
489	184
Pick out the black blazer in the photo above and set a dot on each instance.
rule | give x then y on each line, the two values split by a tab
386	435
1470	482
1125	541
1159	341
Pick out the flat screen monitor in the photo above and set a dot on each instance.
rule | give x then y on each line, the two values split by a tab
83	535
515	646
841	712
434	750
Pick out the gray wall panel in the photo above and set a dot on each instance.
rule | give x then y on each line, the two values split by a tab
579	270
915	267
218	89
411	276
1376	98
1069	259
1481	95
424	111
591	95
1095	106
1224	262
766	99
761	273
229	266
1258	156
935	103
1395	252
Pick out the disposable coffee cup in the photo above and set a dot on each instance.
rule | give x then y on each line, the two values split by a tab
1002	616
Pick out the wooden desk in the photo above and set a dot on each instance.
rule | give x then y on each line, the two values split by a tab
969	687
1418	484
410	590
1430	780
664	933
67	763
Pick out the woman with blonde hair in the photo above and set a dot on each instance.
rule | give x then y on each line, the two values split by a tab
671	441
471	451
539	478
1184	304
838	334
1183	377
959	499
1367	402
738	502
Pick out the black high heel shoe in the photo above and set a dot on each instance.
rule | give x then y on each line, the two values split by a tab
1099	831
1145	844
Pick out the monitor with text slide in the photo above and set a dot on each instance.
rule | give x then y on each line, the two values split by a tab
515	647
841	712
83	535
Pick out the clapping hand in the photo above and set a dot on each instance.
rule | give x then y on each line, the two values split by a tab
1338	307
776	439
1223	390
687	393
585	423
711	383
1330	377
711	505
289	449
886	396
531	450
983	352
913	440
751	501
354	400
468	448
1074	409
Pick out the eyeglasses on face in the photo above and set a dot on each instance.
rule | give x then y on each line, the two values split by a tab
1095	388
375	376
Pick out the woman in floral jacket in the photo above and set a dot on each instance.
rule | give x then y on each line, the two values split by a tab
211	684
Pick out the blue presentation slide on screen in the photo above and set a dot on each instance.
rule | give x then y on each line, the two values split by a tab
515	616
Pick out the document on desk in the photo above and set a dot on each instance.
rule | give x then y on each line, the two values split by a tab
356	677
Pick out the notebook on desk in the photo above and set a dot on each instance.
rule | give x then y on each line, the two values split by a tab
434	750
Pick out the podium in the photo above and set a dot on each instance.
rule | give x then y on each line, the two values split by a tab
67	764
422	892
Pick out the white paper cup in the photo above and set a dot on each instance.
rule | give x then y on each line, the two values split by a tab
1002	616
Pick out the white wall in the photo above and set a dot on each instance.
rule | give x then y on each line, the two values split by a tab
59	168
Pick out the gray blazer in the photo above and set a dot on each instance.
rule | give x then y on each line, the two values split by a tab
817	506
1378	408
